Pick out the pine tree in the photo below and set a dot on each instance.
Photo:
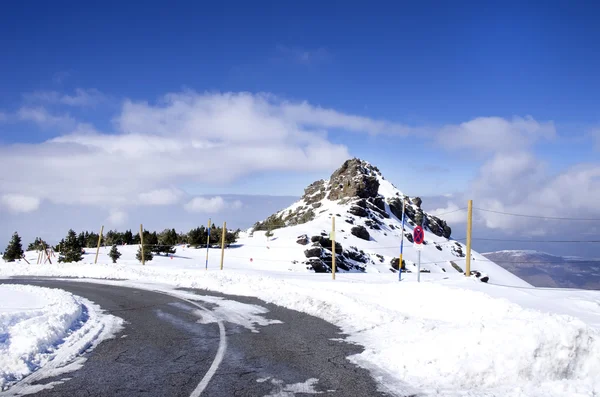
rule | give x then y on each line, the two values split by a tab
166	241
81	239
231	237
147	254
91	240
60	245
215	235
128	237
114	253
71	248
110	238
14	250
197	236
37	245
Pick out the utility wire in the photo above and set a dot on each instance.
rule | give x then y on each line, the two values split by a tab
519	261
538	216
536	241
449	212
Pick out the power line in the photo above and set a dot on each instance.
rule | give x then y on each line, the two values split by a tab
520	261
450	212
539	216
536	241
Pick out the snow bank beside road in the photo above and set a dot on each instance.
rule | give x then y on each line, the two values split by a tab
455	337
42	330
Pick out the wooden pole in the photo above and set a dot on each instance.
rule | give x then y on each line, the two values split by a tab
142	243
401	241
46	251
25	259
469	233
207	242
99	240
333	246
223	243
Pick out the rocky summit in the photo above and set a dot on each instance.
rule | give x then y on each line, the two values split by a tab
368	231
356	184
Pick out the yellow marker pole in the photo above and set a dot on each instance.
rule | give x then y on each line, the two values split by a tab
333	246
401	242
207	242
142	243
99	240
223	243
469	232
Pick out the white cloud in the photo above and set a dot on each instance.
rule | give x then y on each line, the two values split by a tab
213	138
211	204
45	119
309	115
81	97
160	197
3	116
186	138
451	214
206	205
520	183
243	115
493	134
117	217
17	203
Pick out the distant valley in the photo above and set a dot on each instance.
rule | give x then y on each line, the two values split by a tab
545	270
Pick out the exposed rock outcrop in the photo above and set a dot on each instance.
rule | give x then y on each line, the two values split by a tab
353	179
360	232
302	240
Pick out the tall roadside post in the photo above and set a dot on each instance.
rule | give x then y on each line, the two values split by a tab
333	269
469	234
223	243
207	242
99	240
142	242
401	241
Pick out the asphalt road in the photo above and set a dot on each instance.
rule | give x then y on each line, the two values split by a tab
164	351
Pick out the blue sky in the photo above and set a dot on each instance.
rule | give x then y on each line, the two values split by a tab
431	62
71	68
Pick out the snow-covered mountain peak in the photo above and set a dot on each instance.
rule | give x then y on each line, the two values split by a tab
368	231
358	189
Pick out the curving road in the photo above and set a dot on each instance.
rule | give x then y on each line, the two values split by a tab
164	350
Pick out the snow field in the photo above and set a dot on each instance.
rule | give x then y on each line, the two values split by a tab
43	330
446	337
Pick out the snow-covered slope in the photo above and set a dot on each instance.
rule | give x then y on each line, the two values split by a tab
451	337
43	331
368	214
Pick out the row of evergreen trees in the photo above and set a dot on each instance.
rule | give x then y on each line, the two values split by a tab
71	247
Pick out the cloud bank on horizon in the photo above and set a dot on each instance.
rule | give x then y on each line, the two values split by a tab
212	139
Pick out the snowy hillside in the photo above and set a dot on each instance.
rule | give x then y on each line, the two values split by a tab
446	336
49	329
545	270
368	215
